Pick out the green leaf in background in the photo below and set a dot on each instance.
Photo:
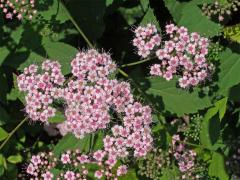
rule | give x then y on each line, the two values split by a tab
168	174
232	33
59	117
61	52
167	96
1	170
217	167
70	142
189	14
3	134
229	71
149	17
89	16
210	127
109	2
14	159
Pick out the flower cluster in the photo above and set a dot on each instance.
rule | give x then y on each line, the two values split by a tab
146	39
91	101
220	10
18	8
73	165
42	89
184	54
185	157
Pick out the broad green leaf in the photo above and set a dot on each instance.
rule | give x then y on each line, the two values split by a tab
168	97
149	17
98	140
217	167
189	14
3	134
59	117
144	4
232	33
15	159
229	71
70	142
61	52
168	174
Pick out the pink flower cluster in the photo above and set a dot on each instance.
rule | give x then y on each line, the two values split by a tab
146	39
184	55
73	165
41	89
185	157
18	8
91	100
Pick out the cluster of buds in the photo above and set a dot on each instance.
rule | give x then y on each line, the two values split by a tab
220	10
184	55
18	8
73	166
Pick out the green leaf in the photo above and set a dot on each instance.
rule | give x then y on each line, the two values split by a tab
3	54
59	117
221	105
15	159
210	127
167	96
229	71
61	52
217	167
168	173
109	2
70	142
149	17
3	134
189	14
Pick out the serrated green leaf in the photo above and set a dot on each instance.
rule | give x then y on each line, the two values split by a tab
15	159
3	134
189	14
217	167
15	92
70	142
167	96
59	117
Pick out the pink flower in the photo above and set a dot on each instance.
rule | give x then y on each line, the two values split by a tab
47	176
69	175
98	174
122	170
65	158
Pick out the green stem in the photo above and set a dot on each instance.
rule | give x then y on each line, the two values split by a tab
136	63
195	145
77	26
12	132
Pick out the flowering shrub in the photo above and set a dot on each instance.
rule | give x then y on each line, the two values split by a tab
76	102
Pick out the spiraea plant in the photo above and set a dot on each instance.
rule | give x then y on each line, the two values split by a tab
117	89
